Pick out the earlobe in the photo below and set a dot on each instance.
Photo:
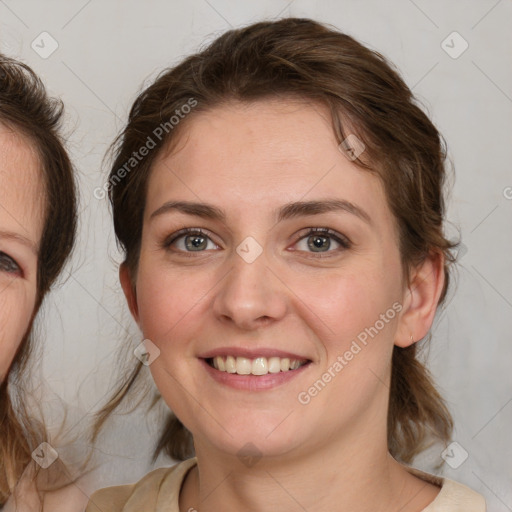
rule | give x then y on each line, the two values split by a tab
421	300
129	290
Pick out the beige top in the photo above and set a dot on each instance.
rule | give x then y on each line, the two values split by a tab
159	491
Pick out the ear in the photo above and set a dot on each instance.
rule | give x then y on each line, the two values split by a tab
129	291
420	300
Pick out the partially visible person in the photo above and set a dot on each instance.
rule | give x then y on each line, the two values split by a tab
37	231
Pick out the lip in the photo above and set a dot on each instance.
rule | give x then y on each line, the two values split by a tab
253	382
251	353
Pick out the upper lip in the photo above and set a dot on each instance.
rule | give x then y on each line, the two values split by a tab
251	353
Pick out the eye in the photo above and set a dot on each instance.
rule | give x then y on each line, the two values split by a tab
316	240
320	240
8	265
190	240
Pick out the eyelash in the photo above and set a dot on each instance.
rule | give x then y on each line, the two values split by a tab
8	264
337	237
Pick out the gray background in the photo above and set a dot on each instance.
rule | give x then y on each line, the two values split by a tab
107	49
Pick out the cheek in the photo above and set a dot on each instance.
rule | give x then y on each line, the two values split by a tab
16	306
343	304
167	301
354	313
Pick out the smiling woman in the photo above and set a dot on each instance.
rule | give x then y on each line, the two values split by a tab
37	229
286	236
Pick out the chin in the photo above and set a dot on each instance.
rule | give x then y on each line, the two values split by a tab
252	439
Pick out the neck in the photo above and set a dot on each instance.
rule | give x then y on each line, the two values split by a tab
348	475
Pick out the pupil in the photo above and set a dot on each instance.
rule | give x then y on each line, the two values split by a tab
319	242
196	242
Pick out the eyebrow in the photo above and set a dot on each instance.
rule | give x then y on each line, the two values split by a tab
287	211
9	235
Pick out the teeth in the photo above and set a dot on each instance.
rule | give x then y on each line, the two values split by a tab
294	365
230	364
258	366
243	366
274	365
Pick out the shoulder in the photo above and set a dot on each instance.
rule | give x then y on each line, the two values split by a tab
456	497
453	496
143	495
26	497
68	499
112	499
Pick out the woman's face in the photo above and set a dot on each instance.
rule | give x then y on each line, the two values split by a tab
257	292
21	225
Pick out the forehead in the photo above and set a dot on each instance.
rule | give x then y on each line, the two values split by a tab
21	186
262	153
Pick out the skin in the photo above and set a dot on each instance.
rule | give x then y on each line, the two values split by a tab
331	454
21	226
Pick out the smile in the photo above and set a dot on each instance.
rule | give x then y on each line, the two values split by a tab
257	366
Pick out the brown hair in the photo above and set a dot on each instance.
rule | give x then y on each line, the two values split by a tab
307	60
26	109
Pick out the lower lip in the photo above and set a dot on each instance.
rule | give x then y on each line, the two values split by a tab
253	382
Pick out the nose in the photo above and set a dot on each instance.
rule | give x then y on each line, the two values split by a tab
251	295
